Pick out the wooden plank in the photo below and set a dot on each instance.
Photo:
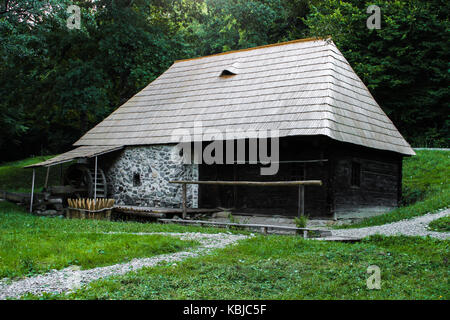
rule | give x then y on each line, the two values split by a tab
144	214
253	183
245	225
121	208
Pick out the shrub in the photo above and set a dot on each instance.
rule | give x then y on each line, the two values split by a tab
301	221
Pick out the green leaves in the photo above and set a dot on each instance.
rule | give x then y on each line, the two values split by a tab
404	63
57	83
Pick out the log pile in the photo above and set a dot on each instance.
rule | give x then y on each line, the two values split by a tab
97	209
44	202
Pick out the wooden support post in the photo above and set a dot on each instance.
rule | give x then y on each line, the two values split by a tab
61	182
32	190
235	197
184	201
95	182
301	200
46	178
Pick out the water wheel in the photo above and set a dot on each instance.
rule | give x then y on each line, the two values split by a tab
82	178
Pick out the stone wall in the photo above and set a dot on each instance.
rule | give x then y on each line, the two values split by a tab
140	176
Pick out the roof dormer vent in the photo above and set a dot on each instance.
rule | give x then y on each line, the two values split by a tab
227	73
231	70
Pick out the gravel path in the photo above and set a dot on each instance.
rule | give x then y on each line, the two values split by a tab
68	279
411	227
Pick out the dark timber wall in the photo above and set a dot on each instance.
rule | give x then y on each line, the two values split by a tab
379	181
377	188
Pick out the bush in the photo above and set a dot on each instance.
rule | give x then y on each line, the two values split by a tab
301	221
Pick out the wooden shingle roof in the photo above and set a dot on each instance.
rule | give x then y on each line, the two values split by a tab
303	87
78	153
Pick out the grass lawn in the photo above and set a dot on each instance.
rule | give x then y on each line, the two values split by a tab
441	225
31	244
263	267
426	188
286	267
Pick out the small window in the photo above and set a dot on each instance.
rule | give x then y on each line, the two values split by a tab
136	179
356	174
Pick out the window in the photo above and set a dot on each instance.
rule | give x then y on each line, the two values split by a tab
136	179
356	174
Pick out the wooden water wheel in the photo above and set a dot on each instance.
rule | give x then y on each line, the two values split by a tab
82	177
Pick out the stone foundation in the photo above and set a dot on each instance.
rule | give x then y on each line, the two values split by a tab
140	176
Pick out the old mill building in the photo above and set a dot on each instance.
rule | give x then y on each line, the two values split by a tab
330	129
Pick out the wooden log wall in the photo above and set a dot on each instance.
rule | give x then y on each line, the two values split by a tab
295	155
379	188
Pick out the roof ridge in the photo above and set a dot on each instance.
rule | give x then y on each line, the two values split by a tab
255	48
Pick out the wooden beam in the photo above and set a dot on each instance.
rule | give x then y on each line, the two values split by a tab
261	227
184	201
144	214
301	200
254	183
46	178
95	181
32	190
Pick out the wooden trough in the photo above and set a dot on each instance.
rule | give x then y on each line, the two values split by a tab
96	209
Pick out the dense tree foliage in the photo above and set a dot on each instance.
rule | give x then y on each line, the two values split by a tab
56	82
405	64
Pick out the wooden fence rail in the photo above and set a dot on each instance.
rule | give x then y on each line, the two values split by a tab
263	227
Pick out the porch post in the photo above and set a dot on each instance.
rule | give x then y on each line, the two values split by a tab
301	200
95	181
46	178
32	190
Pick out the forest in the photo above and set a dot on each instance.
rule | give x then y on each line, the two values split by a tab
58	82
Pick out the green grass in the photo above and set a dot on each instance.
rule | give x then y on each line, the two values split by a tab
284	267
441	224
31	244
264	267
426	188
13	177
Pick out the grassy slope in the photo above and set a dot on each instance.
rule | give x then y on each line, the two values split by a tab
285	267
31	244
426	188
13	177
